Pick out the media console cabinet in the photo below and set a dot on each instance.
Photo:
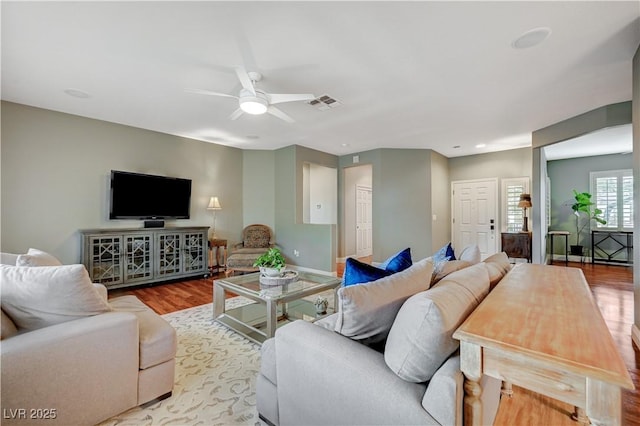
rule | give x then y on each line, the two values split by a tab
127	257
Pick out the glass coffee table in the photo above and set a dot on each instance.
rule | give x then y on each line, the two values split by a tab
273	305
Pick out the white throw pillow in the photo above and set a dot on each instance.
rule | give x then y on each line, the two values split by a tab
366	311
471	254
40	297
421	337
35	257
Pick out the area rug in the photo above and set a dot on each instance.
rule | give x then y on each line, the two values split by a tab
216	372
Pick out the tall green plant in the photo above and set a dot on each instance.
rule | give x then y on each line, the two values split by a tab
583	208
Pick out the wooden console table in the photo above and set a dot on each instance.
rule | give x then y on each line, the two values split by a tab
540	329
517	244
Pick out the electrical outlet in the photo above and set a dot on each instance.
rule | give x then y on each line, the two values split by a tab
296	253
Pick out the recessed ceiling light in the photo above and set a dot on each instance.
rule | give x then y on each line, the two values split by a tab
77	93
344	145
481	145
531	38
253	137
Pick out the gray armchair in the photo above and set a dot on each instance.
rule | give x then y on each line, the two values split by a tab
256	240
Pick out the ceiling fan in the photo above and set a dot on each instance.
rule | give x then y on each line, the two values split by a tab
255	101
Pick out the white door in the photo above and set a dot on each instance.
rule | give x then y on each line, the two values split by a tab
364	228
475	207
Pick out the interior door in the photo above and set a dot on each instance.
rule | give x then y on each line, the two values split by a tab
364	228
475	207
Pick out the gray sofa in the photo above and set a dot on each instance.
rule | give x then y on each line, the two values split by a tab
404	373
83	370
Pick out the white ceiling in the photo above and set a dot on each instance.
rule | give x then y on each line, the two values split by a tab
408	74
612	140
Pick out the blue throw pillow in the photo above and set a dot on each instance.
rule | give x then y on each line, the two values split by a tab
398	262
356	272
444	254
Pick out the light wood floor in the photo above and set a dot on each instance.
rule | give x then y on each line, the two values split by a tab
612	287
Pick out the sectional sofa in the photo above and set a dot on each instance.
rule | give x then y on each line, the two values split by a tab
387	356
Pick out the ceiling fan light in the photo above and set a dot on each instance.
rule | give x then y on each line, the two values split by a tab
254	105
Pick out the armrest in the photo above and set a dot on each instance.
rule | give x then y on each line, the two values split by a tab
326	378
73	367
102	290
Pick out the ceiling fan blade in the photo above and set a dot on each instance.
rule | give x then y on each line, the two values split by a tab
280	114
243	76
209	92
278	98
236	114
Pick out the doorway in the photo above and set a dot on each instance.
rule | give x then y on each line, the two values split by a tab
364	223
357	235
474	211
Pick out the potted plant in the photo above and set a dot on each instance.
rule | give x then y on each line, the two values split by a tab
271	263
582	209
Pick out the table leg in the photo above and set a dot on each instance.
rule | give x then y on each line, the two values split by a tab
604	403
551	236
218	300
507	389
580	416
566	249
272	318
471	366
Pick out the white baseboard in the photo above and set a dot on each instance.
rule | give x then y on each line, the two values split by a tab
635	335
572	258
313	271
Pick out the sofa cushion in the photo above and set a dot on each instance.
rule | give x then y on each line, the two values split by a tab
158	341
35	257
328	322
421	337
471	254
39	297
498	266
268	360
445	268
356	272
7	326
8	259
366	311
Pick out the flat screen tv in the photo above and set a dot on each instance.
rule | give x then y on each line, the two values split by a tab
142	196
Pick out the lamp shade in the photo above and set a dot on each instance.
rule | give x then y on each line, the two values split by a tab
214	204
525	201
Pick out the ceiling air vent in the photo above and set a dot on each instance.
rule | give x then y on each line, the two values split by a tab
324	102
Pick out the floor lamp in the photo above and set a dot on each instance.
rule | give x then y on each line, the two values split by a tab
214	204
524	204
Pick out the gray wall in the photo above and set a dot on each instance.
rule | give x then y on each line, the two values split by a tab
440	201
567	175
316	244
258	187
402	200
503	164
55	177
